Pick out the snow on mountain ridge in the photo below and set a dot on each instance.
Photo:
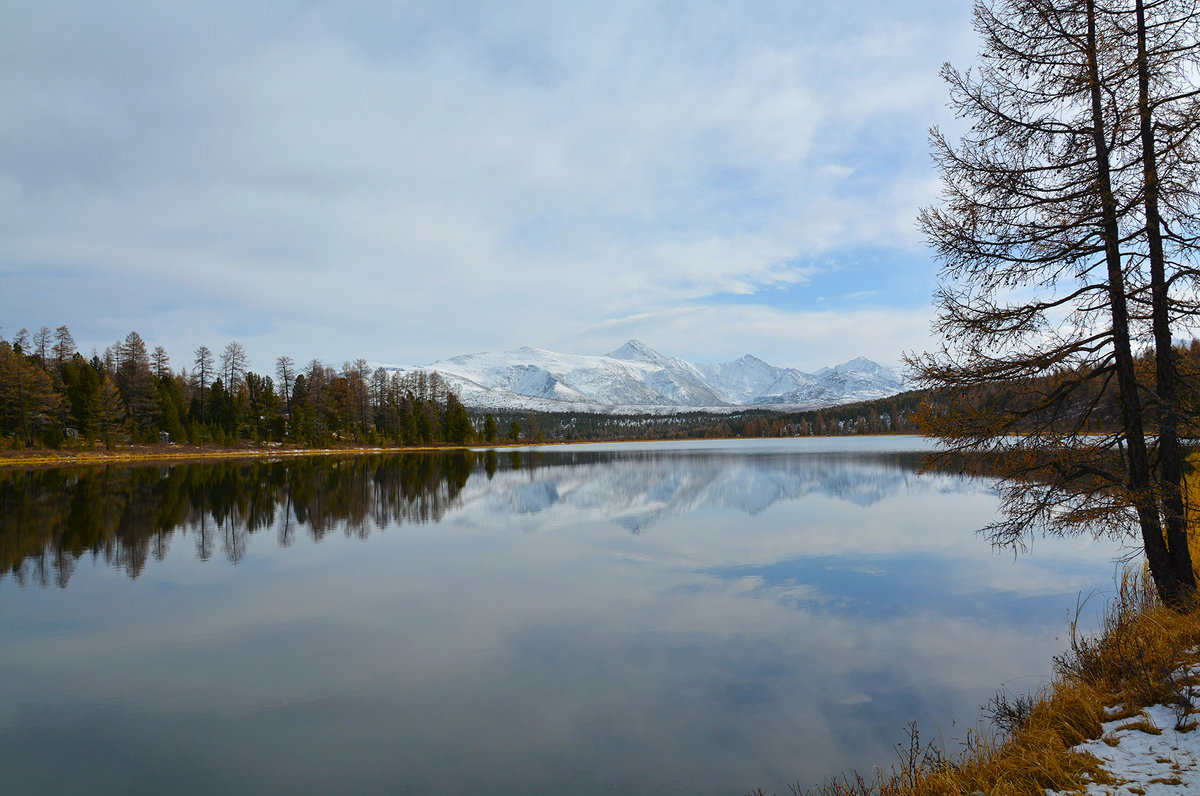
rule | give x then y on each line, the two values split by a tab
638	351
635	377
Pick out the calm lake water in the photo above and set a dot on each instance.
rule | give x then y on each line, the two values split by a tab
637	618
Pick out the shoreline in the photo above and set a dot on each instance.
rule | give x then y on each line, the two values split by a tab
178	453
1120	716
169	452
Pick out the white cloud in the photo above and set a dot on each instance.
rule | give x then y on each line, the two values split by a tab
406	182
808	339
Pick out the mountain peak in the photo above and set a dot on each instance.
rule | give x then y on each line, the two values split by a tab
861	364
637	350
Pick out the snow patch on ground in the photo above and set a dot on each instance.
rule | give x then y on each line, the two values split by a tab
1146	764
1151	765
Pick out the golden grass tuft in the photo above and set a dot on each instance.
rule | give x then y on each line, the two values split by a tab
1165	781
1132	662
1142	725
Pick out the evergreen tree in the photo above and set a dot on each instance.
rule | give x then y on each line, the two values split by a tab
82	383
457	428
136	383
110	419
172	411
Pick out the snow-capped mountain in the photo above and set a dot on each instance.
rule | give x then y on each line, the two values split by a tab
749	380
635	377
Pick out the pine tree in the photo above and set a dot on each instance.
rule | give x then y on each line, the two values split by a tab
110	420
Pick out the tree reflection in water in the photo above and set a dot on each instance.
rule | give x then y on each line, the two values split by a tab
50	518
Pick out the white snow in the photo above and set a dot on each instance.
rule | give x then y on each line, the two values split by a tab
635	379
1144	763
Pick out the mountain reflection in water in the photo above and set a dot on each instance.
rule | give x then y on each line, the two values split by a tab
658	618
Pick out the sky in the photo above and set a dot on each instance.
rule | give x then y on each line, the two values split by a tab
409	181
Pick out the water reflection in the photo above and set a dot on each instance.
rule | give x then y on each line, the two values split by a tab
50	518
642	619
639	489
126	515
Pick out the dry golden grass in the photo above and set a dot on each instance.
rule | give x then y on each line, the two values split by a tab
1132	662
172	454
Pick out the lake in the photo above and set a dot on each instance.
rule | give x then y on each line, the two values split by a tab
695	617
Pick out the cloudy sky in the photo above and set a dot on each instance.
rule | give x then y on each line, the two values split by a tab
407	181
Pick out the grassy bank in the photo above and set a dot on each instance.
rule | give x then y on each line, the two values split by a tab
1132	662
176	453
167	452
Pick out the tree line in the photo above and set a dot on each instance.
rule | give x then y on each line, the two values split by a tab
892	415
51	395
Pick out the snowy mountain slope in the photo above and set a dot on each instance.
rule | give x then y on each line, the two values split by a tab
749	380
537	373
680	382
862	377
635	377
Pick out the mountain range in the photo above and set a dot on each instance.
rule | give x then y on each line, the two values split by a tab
636	378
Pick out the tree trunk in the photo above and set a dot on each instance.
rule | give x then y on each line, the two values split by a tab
1170	454
1157	555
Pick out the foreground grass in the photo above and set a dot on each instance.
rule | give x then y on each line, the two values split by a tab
1131	663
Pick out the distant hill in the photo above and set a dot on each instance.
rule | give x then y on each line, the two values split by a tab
636	378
